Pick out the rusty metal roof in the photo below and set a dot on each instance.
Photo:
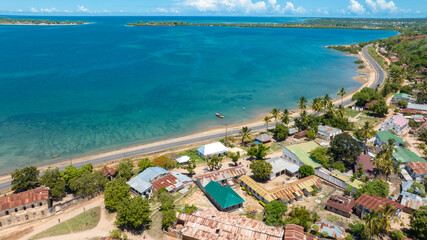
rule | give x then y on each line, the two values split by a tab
341	203
418	167
412	201
109	171
286	192
296	232
24	198
221	175
212	224
374	202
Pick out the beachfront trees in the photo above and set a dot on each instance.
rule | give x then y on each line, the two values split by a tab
259	152
191	165
275	112
302	103
88	184
134	214
380	107
286	119
70	172
418	223
280	132
305	171
145	163
267	121
344	148
342	92
246	134
376	187
326	100
261	169
365	132
52	178
317	105
115	192
124	169
25	179
274	212
234	157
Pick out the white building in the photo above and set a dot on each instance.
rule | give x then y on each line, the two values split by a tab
397	124
281	166
212	149
327	133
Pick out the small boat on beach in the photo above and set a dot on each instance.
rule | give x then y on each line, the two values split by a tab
219	115
55	156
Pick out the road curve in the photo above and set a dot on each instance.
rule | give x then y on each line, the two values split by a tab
146	150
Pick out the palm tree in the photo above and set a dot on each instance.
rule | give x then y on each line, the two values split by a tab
267	121
342	92
365	132
340	111
286	117
246	134
372	221
276	113
388	167
316	104
389	147
331	109
304	118
387	214
378	161
302	103
326	100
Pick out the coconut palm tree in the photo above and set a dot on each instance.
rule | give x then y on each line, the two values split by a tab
246	134
267	121
389	147
388	167
286	117
377	161
275	112
340	111
387	215
342	92
302	103
304	118
316	105
326	100
365	132
330	109
373	221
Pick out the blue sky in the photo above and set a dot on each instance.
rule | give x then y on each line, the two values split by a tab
317	8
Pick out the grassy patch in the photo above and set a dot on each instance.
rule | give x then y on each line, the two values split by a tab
275	147
377	58
365	118
331	218
350	113
84	221
192	153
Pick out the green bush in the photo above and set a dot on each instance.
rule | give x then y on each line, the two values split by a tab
262	203
315	191
396	234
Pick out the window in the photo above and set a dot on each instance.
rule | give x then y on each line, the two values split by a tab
32	205
7	212
40	204
25	208
16	210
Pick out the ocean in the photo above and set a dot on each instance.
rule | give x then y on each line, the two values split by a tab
78	90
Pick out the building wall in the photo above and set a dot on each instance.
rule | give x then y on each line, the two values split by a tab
344	214
24	213
290	156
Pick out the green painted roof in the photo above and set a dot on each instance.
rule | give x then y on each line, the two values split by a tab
404	155
404	95
302	151
224	196
347	179
384	136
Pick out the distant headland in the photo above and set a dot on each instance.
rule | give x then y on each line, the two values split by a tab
12	21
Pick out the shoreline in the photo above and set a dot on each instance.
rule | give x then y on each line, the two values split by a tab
44	24
368	79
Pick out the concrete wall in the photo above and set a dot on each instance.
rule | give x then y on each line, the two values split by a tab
24	213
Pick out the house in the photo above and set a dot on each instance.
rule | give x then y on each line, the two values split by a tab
420	108
364	162
24	207
382	137
333	230
300	154
412	111
403	156
394	59
365	204
355	184
285	193
411	201
418	118
292	131
405	175
172	182
417	170
264	138
141	183
281	166
397	124
340	205
296	232
225	176
402	96
108	172
183	160
300	135
215	225
383	51
369	105
327	133
212	149
223	198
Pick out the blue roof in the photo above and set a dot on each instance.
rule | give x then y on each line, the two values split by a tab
333	230
141	182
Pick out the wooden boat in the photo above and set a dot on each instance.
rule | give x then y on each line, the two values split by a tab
219	115
55	156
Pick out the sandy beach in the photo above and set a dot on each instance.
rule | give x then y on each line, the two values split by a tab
368	79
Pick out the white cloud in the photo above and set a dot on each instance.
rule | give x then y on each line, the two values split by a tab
290	8
48	10
356	7
82	9
381	6
19	10
33	9
323	11
246	6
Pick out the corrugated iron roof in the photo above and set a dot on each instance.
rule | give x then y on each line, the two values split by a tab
333	230
221	175
24	198
109	171
374	202
341	203
412	201
294	232
406	156
418	167
212	224
224	196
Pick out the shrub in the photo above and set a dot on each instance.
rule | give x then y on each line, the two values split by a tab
396	234
315	191
311	134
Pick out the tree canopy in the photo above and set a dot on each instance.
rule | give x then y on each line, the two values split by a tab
115	192
261	169
124	169
52	178
25	179
301	216
280	132
259	152
344	148
306	171
320	154
164	162
88	184
418	223
145	163
274	212
374	188
134	213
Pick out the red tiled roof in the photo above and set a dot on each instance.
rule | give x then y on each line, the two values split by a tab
367	164
341	203
368	105
24	198
374	202
294	232
418	167
109	171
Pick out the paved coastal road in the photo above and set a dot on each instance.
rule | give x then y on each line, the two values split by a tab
145	150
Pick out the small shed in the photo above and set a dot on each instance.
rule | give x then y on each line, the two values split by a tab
264	138
212	149
183	160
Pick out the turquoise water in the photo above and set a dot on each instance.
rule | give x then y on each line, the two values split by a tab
76	90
